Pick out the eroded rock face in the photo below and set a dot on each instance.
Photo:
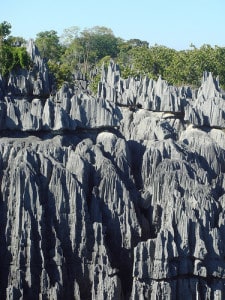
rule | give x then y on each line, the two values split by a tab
208	108
54	217
78	111
144	92
102	198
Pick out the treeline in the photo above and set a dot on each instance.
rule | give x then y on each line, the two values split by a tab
87	49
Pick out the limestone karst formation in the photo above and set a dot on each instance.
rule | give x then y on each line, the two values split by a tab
118	196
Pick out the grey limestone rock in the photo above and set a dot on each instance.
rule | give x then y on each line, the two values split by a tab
48	225
208	109
102	198
145	92
69	112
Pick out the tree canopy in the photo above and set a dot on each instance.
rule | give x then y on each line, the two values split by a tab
84	49
5	30
11	56
177	67
48	45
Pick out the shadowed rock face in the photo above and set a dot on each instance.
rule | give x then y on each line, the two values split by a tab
102	198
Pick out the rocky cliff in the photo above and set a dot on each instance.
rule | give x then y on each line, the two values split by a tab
119	196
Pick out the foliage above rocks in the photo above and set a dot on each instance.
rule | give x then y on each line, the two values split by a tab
11	56
83	50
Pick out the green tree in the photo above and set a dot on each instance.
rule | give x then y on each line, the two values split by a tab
143	60
220	64
11	57
61	72
95	43
176	72
85	48
138	62
5	30
73	55
162	57
6	60
69	35
48	45
21	58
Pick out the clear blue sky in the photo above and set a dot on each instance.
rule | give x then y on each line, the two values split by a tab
173	23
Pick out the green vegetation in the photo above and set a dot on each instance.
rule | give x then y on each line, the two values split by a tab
177	67
48	45
5	29
11	56
87	49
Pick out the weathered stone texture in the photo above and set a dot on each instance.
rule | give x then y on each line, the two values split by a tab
119	196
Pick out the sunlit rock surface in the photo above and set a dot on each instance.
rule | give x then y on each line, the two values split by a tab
119	196
207	109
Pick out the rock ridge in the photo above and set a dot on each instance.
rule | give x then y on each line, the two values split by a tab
114	196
